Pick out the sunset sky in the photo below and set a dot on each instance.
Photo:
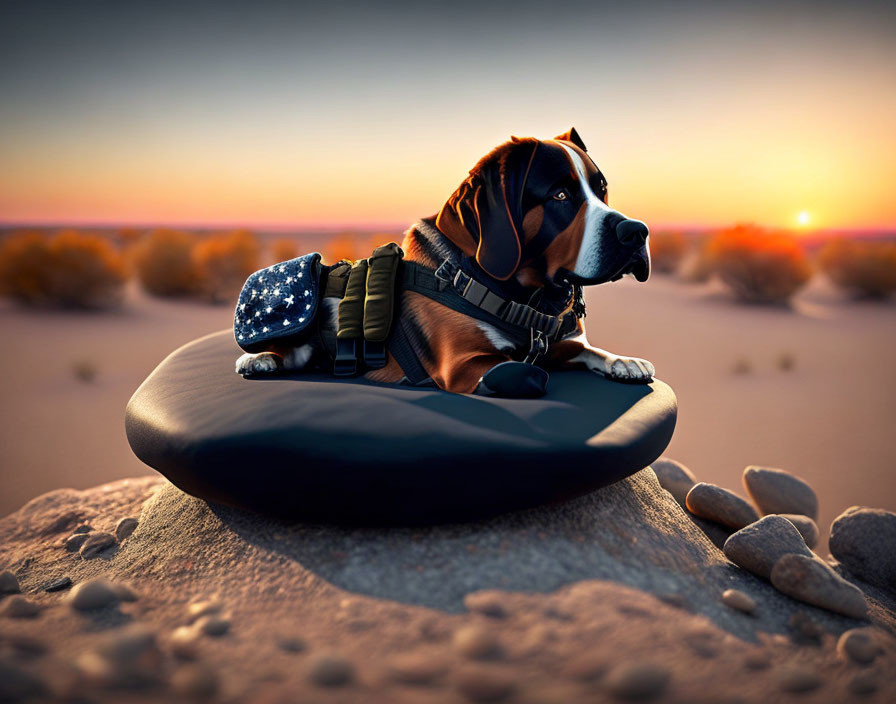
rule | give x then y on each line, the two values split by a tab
265	114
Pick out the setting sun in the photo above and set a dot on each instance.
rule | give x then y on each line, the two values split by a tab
803	218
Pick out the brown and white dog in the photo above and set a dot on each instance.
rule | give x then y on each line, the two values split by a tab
530	221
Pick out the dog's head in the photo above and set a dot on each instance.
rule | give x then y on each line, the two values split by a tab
537	210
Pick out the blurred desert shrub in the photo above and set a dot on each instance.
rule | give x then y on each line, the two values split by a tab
696	265
283	250
224	262
758	266
163	263
70	270
867	269
667	249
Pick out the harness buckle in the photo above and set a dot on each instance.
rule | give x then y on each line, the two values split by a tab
446	272
537	347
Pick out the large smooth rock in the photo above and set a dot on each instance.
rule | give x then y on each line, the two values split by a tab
674	477
720	505
864	541
761	544
810	580
314	447
777	491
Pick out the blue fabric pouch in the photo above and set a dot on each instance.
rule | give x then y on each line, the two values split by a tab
278	303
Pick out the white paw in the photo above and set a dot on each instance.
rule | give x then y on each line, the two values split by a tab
632	369
261	363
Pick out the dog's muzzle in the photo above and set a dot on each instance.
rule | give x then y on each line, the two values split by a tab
640	264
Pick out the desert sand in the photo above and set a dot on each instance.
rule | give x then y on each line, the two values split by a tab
828	419
615	596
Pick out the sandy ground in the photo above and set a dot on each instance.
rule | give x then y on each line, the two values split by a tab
829	419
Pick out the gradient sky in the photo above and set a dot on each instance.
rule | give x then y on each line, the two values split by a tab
266	114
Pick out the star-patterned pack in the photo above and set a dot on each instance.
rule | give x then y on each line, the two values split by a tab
277	302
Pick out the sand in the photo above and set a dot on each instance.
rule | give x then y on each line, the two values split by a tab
828	420
609	596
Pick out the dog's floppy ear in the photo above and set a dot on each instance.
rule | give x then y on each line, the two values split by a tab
572	136
483	217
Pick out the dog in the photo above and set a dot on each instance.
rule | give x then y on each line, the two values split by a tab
529	227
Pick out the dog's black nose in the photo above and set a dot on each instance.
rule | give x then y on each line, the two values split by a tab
632	232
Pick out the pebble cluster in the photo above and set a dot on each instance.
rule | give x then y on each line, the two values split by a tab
778	545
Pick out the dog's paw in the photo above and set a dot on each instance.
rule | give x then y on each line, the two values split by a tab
627	369
513	380
261	363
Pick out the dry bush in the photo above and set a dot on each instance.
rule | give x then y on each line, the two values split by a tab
224	262
759	267
867	269
696	265
70	270
164	264
667	249
283	250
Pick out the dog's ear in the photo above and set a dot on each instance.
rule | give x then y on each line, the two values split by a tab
483	217
572	136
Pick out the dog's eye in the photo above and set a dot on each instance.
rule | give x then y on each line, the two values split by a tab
561	195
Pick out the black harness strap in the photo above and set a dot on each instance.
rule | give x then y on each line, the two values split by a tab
403	352
457	290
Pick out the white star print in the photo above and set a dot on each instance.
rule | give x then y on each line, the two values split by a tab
268	309
285	322
265	329
290	299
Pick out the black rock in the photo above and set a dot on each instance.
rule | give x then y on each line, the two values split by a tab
384	453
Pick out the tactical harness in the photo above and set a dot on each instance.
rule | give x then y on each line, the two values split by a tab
368	291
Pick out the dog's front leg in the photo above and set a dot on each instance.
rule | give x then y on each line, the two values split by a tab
291	359
576	351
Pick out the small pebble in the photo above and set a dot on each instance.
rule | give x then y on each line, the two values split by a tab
758	547
96	543
291	644
331	671
417	668
739	600
487	602
74	542
184	642
195	681
124	528
858	645
475	641
805	525
862	539
480	684
777	491
812	581
125	593
213	625
675	478
757	660
18	606
720	505
83	528
129	658
796	679
8	583
57	585
863	683
639	681
93	594
198	609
